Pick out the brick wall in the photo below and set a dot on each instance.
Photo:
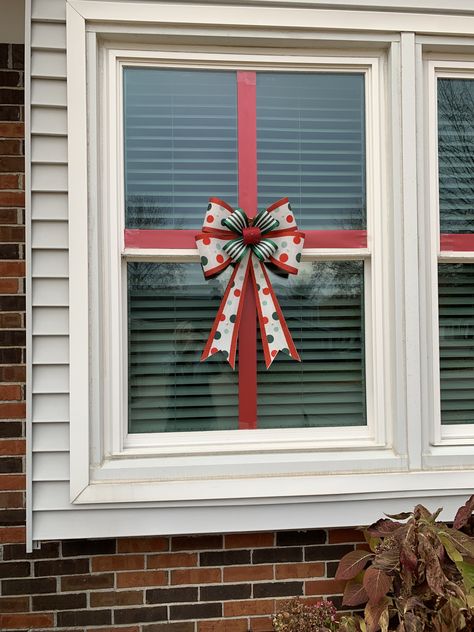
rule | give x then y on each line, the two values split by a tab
229	583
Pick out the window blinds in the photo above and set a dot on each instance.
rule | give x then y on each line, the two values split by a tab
180	131
456	155
456	339
311	146
171	310
323	307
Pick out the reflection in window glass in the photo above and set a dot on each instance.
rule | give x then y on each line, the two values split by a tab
311	147
180	130
456	339
171	310
324	309
456	155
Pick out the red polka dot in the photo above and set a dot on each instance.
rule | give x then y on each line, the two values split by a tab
222	316
219	259
283	257
266	290
265	320
210	219
206	241
274	352
296	240
289	219
237	292
214	350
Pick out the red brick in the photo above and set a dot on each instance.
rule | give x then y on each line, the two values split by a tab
12	164
196	576
144	578
10	147
196	543
9	286
12	269
10	321
116	598
12	234
252	606
261	624
10	447
10	393
229	625
172	560
248	573
12	130
248	540
8	535
142	545
310	569
12	411
325	587
130	628
118	563
12	374
12	481
11	500
26	620
343	536
8	181
14	604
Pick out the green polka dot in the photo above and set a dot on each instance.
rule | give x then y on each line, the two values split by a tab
217	335
284	244
209	206
226	354
270	338
226	331
287	351
289	206
204	261
275	316
233	318
264	302
298	257
258	287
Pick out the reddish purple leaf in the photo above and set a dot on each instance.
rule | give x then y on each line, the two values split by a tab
376	584
464	513
352	563
354	594
382	527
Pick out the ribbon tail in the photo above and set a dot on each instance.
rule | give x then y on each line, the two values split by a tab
225	329
274	331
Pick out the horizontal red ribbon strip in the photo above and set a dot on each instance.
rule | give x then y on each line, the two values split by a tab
459	242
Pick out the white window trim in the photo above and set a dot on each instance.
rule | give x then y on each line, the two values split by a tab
381	491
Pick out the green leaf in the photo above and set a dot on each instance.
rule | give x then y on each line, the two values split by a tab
352	563
467	571
451	550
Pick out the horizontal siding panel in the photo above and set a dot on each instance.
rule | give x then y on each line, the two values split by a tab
50	320
48	35
51	437
49	10
50	378
50	263
48	121
50	466
50	350
49	177
46	205
50	407
49	92
49	234
49	149
54	292
49	64
51	496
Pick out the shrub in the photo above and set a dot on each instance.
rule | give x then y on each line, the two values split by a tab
296	616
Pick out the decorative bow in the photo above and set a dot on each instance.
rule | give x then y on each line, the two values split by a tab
229	237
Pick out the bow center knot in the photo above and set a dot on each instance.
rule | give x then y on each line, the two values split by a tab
252	235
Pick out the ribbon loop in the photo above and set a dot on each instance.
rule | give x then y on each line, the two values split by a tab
230	238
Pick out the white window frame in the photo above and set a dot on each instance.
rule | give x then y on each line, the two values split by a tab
368	480
453	440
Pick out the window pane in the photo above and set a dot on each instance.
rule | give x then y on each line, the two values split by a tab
180	145
324	309
311	147
171	311
456	155
456	340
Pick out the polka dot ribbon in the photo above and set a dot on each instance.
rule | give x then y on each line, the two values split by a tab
272	239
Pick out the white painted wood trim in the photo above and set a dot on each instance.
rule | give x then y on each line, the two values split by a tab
78	254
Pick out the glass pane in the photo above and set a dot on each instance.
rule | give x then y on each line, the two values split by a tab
311	147
324	309
180	131
171	310
456	341
456	155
